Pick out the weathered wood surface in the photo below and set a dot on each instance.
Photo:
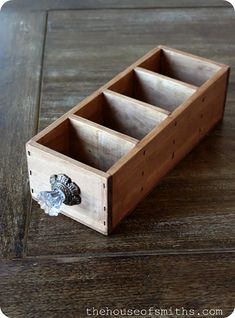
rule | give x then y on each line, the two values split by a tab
81	56
21	37
65	287
200	212
43	5
190	214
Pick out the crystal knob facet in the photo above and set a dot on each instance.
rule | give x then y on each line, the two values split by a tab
51	201
63	191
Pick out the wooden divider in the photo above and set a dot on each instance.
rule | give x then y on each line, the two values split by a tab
123	114
88	142
158	152
132	117
153	88
180	65
95	145
161	90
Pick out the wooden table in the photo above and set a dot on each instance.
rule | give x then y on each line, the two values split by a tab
177	248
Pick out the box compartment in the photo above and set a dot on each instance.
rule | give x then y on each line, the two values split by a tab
125	115
154	89
85	142
184	67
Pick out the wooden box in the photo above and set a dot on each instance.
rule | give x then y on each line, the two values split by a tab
118	142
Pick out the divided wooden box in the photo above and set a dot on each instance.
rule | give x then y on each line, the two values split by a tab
117	143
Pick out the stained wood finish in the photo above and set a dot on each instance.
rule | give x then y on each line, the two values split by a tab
45	162
67	286
77	56
198	217
187	68
21	38
146	161
169	93
44	5
60	96
123	114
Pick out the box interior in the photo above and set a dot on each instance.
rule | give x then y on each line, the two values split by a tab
88	144
154	89
105	129
123	114
184	67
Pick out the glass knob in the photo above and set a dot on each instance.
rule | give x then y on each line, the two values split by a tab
51	201
63	191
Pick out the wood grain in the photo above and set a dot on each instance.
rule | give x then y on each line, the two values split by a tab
209	165
159	152
197	110
65	287
169	94
21	38
44	5
65	86
132	117
44	162
96	146
190	212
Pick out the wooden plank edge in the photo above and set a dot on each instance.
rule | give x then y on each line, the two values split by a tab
71	258
50	5
73	162
188	86
227	83
111	132
192	56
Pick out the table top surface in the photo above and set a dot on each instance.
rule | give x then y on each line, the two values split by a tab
177	248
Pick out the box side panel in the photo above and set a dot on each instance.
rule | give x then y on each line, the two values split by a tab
137	176
93	210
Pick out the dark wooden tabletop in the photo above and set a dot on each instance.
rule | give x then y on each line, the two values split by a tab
177	248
